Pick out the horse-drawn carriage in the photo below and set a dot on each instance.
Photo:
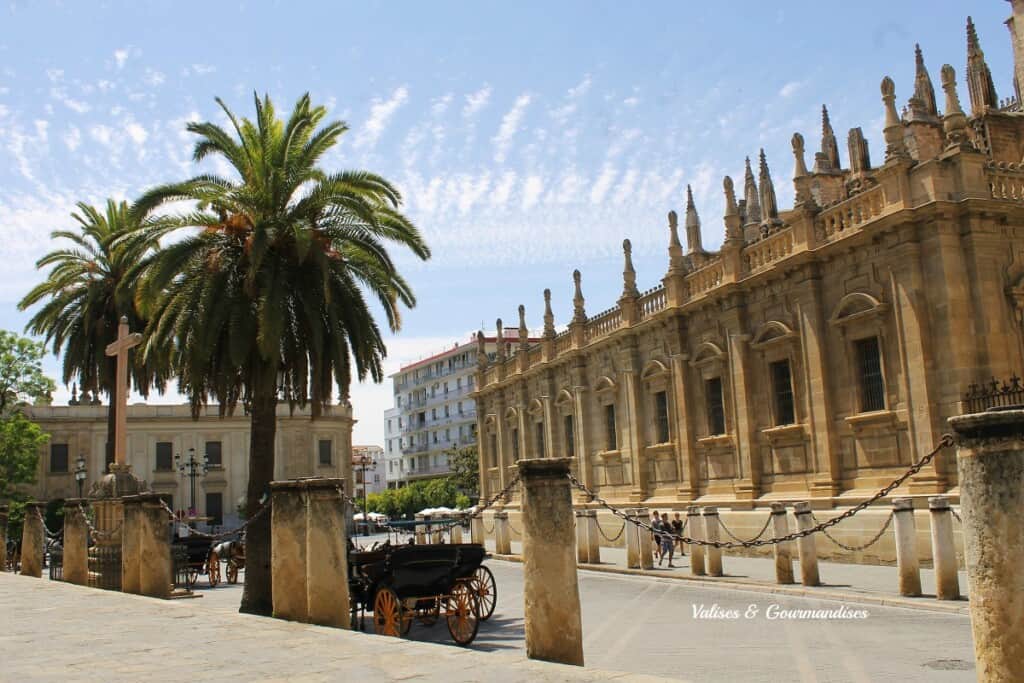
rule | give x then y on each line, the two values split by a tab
424	583
194	555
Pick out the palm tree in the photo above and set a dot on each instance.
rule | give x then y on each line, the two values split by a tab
89	288
265	297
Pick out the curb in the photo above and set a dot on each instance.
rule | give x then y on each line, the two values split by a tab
823	593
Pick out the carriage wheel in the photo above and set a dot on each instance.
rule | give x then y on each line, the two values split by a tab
232	571
486	591
213	568
461	613
388	614
428	611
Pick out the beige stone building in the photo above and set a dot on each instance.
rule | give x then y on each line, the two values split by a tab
819	353
158	434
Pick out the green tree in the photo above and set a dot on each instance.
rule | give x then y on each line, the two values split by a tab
90	286
266	297
464	464
21	373
20	441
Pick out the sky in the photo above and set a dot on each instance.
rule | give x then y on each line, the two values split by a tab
528	139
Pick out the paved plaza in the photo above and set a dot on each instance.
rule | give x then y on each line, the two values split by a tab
635	625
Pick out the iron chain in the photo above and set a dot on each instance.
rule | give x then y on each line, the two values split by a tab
944	442
857	548
730	534
953	510
617	536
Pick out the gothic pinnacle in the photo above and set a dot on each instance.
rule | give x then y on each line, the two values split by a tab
829	147
751	202
769	205
579	313
924	92
629	288
524	333
693	241
979	79
549	316
733	231
499	336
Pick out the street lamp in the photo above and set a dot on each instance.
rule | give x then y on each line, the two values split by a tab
80	473
193	469
365	461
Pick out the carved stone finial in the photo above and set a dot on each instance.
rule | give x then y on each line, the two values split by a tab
675	248
954	122
800	168
733	228
895	147
860	160
481	350
629	288
979	79
750	196
693	239
524	333
730	197
769	204
499	339
579	313
829	148
549	316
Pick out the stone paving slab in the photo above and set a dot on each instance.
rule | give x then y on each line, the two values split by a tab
56	631
859	583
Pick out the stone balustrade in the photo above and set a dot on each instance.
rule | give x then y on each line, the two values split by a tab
847	216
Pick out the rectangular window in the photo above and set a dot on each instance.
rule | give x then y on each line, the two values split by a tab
325	446
446	411
661	416
215	508
493	450
515	443
869	371
716	406
213	453
570	438
164	456
611	437
782	391
540	439
58	457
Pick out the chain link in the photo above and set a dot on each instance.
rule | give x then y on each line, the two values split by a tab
617	536
53	536
944	442
955	515
98	533
730	534
856	548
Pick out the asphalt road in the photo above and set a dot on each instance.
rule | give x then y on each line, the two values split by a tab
648	625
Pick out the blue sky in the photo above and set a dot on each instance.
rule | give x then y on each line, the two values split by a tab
527	138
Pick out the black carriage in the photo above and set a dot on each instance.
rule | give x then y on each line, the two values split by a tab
193	555
425	583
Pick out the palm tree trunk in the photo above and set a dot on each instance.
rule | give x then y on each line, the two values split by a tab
257	597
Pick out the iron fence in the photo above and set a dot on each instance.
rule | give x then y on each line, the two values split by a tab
179	565
105	567
994	394
56	564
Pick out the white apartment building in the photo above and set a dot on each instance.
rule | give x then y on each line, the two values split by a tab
433	413
372	471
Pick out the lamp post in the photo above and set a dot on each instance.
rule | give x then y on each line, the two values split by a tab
365	461
193	469
80	473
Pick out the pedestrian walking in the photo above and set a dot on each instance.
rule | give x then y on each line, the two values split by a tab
677	529
668	545
655	536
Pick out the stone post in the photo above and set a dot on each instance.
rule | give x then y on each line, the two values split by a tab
947	581
155	577
3	537
906	547
783	556
76	543
582	546
326	554
554	629
421	529
437	535
696	532
990	463
593	537
806	546
131	551
502	539
288	550
476	530
645	539
33	540
632	540
455	532
714	555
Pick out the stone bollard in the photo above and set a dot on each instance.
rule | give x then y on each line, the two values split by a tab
714	555
582	546
502	538
476	530
990	463
783	552
632	540
646	539
695	530
593	537
309	551
4	511
906	547
455	531
131	550
553	626
421	529
156	578
76	543
33	540
806	546
437	530
947	581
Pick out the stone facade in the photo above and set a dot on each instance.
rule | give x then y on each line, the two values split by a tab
156	433
816	355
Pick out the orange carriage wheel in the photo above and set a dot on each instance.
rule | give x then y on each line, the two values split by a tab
461	613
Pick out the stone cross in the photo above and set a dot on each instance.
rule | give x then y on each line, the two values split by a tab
120	348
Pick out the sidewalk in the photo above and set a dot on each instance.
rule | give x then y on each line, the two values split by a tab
869	584
56	631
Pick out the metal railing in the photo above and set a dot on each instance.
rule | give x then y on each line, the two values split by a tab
993	394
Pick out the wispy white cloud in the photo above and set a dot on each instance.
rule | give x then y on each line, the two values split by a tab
602	184
381	112
153	77
120	57
476	101
509	127
73	138
791	88
631	101
532	189
503	189
440	105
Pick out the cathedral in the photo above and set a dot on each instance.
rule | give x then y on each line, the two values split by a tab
820	351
